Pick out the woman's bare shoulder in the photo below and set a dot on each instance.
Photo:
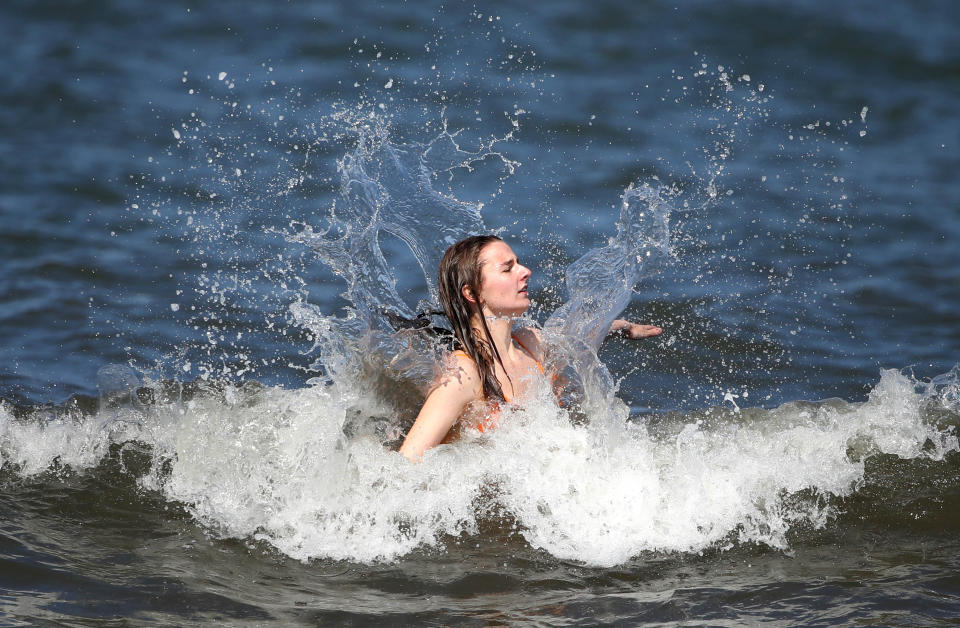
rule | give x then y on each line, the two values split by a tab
457	385
460	372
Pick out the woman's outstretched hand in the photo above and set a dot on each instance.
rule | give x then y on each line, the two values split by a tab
633	330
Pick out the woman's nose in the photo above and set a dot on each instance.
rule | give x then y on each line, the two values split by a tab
524	271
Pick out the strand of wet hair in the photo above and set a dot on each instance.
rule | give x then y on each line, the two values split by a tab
477	348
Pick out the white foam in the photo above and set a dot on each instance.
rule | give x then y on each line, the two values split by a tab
276	466
278	470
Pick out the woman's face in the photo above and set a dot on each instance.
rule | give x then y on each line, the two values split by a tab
503	281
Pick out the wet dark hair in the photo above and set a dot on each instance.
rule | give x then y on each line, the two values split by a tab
459	268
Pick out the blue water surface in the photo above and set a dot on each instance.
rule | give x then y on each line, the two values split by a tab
827	254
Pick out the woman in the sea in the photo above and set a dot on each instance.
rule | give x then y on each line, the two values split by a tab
483	289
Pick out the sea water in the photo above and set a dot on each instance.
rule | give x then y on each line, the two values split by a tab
203	402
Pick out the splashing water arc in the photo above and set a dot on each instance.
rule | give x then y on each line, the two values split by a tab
306	470
599	286
388	187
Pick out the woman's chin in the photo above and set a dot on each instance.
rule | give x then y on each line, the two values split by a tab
509	314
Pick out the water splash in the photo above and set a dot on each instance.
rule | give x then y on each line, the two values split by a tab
599	286
387	187
306	469
279	466
600	283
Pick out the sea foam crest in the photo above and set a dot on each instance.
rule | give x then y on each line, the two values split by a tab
275	466
285	467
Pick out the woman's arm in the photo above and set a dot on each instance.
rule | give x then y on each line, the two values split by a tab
443	406
633	330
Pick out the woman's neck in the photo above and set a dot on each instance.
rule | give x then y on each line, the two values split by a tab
501	330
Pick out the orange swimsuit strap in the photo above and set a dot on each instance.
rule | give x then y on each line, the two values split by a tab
529	352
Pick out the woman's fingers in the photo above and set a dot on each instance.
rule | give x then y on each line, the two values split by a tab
633	330
642	331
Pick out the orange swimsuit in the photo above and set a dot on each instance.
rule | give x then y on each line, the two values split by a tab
489	421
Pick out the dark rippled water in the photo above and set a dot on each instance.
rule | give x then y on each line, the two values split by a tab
154	160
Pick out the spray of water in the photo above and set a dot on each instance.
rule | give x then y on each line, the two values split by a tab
310	470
